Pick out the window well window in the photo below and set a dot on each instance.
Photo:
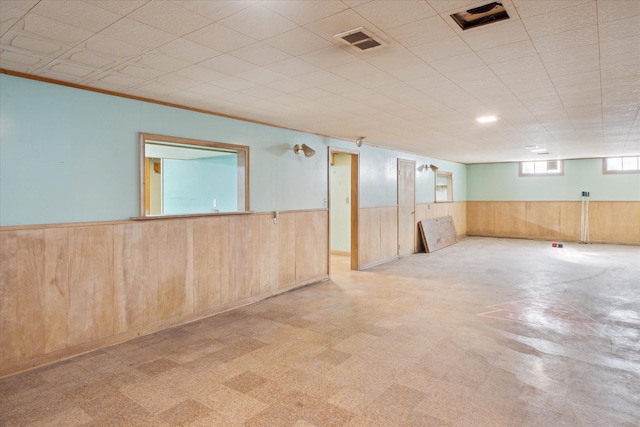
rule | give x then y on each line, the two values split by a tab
541	168
629	164
185	176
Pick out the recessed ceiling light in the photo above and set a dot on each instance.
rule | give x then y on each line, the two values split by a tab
487	119
537	149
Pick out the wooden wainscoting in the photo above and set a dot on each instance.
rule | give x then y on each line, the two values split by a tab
457	210
377	235
610	222
69	289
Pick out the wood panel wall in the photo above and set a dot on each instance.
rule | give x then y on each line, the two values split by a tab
457	210
378	229
65	290
377	235
610	222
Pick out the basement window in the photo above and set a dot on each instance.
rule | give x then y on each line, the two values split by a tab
629	164
541	168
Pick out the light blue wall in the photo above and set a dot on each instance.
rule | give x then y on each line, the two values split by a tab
500	182
190	186
70	155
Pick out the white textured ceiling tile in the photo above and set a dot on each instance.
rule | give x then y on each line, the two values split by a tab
372	81
567	40
189	51
112	47
260	54
292	67
161	62
508	52
20	61
220	38
55	31
137	33
339	23
65	69
208	90
228	64
169	17
319	78
527	8
261	76
177	81
354	70
8	17
89	59
498	34
422	71
442	6
233	83
569	19
200	73
150	90
435	51
457	63
258	22
120	7
215	10
426	30
390	14
138	71
329	57
303	12
620	29
261	92
25	5
116	80
396	60
471	74
288	85
28	43
521	68
298	42
77	14
587	53
613	10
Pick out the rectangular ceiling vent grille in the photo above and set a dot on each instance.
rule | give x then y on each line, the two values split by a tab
360	39
481	15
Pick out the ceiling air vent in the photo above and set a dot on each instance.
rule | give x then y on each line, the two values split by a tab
481	15
360	38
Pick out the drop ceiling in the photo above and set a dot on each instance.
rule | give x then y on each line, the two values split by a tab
561	74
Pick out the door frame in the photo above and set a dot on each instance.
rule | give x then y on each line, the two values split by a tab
355	202
412	163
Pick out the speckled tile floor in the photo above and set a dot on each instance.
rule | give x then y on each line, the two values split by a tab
488	332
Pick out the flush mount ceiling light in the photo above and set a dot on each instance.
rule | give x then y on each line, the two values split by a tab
360	39
537	149
308	151
481	15
487	119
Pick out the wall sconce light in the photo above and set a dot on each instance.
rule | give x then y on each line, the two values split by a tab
308	151
425	167
359	141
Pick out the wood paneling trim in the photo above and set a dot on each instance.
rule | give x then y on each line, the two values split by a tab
610	222
68	290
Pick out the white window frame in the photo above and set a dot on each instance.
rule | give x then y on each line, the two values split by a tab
607	170
559	171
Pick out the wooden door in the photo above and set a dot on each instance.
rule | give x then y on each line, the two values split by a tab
406	206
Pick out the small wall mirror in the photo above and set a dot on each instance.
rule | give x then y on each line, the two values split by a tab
182	176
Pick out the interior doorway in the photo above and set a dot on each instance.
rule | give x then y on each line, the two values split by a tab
406	207
343	204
